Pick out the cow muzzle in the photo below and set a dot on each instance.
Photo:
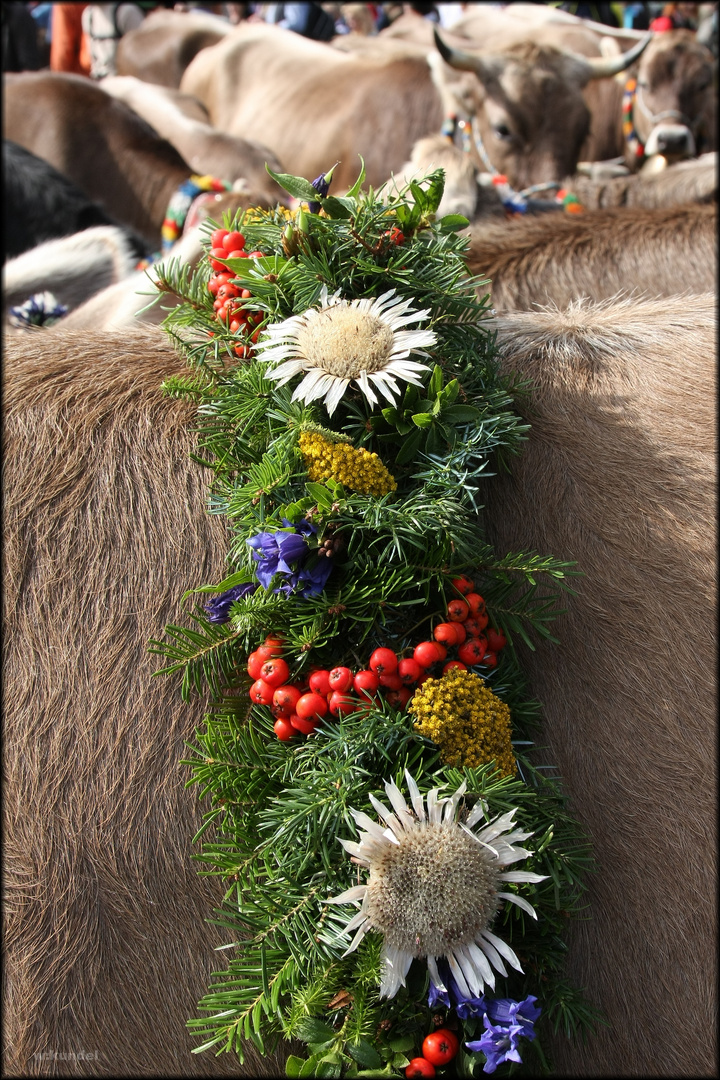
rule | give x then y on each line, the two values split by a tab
674	141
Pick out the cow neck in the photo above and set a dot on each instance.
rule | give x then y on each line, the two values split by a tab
632	139
180	203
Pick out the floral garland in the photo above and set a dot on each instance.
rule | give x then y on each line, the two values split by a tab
399	873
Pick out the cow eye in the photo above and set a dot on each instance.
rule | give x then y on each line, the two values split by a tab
502	131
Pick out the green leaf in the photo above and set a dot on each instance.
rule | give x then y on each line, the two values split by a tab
312	1030
409	448
365	1054
436	381
354	191
402	1043
461	414
335	207
452	223
297	186
423	419
293	1065
309	1067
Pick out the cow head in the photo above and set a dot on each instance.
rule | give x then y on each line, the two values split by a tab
673	111
526	104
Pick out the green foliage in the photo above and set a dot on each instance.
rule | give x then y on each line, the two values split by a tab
277	810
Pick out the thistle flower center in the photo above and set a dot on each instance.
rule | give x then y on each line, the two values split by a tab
344	341
433	891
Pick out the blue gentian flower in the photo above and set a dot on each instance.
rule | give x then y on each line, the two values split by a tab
218	609
453	997
498	1044
287	553
321	184
507	1011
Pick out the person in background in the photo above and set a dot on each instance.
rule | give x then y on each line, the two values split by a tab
41	14
356	19
104	25
308	19
19	38
676	17
68	49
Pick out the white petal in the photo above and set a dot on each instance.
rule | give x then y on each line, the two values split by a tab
356	940
334	397
502	947
434	808
458	976
308	384
362	381
508	854
434	973
395	967
522	875
286	371
521	903
451	805
357	920
478	958
473	977
384	389
357	892
351	846
388	817
487	951
399	805
476	837
322	386
415	798
367	823
497	826
479	809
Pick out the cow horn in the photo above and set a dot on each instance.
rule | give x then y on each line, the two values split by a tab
603	67
484	66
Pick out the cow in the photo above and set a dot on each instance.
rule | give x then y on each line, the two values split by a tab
312	104
101	144
620	474
41	204
205	149
107	945
106	939
159	50
73	268
556	258
116	294
666	105
695	180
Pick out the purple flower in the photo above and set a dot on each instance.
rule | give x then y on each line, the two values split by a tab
453	997
321	184
524	1013
218	609
287	553
498	1044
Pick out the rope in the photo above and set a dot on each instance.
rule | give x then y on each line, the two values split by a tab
180	203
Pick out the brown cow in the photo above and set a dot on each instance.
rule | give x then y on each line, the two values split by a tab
555	258
113	155
107	948
204	148
313	104
620	474
107	945
159	50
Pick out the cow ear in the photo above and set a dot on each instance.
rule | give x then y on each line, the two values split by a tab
487	68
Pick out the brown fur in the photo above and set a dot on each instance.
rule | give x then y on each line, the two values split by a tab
159	50
106	939
686	181
558	257
100	143
620	474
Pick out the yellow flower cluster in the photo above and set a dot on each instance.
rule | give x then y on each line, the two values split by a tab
469	723
357	470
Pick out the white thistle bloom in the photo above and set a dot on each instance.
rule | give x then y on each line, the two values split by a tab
344	341
433	888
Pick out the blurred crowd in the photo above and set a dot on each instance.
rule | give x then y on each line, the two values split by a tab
82	38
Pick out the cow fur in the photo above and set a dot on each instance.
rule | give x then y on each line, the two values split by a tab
620	474
73	268
162	46
41	204
99	143
107	947
685	181
205	149
555	258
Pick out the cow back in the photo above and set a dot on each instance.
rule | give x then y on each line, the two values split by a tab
619	474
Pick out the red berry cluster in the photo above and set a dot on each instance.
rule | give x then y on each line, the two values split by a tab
395	235
228	303
467	631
